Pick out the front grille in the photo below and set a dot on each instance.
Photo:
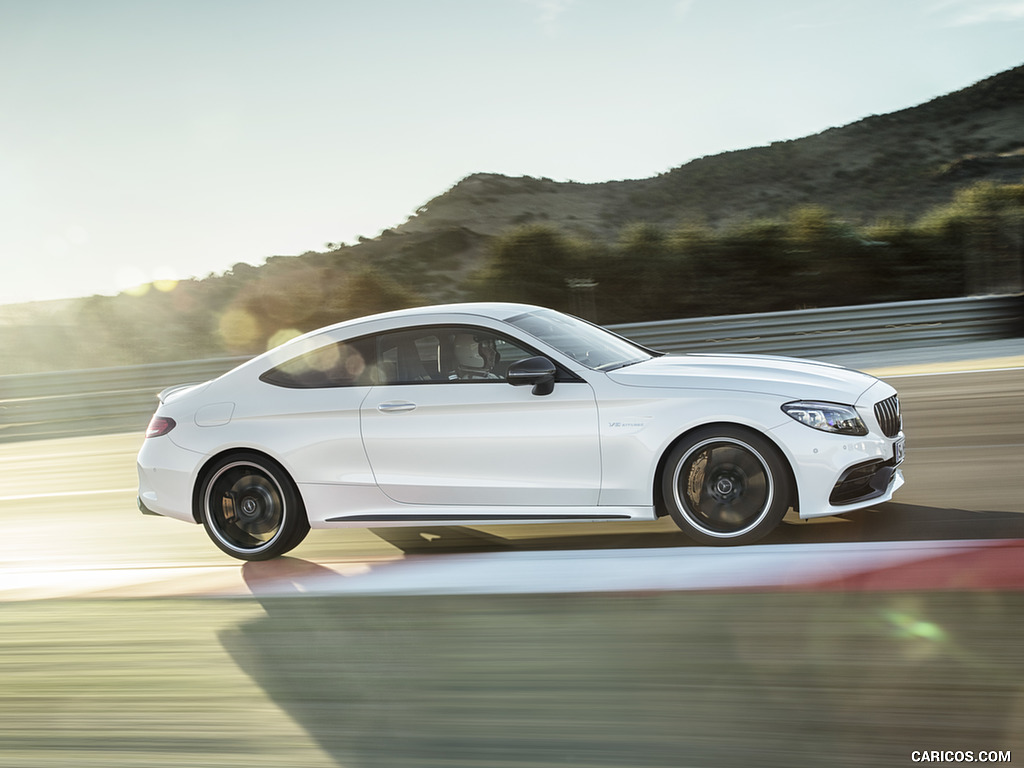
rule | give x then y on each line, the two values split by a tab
888	414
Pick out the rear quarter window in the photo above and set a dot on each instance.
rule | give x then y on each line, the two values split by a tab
343	364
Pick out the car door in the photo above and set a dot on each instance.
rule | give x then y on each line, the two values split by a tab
448	429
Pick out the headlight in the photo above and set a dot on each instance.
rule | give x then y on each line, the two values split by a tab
828	417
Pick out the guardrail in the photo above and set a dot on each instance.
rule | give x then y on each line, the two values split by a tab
107	400
839	330
93	401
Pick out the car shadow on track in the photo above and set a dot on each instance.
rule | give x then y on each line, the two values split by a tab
544	680
538	681
886	522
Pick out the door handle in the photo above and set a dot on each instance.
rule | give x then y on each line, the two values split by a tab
396	406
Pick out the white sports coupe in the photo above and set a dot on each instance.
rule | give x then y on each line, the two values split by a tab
474	414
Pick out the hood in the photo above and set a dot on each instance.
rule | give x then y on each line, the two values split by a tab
786	377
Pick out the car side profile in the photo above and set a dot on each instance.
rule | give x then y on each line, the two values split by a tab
494	413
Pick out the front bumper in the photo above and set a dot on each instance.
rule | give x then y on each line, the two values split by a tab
146	510
865	482
836	473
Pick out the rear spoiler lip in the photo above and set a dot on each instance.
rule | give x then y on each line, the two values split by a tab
164	394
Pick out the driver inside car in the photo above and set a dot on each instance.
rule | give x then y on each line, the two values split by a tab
477	357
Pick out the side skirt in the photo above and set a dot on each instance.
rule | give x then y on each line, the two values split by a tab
511	518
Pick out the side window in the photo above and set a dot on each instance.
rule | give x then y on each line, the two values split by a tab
410	357
446	355
333	365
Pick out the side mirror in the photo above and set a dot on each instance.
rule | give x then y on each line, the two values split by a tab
537	371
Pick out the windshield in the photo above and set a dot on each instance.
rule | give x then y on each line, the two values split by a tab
588	344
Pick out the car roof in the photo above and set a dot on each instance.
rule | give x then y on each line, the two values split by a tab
495	310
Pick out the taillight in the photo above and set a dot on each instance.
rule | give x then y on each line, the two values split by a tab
160	425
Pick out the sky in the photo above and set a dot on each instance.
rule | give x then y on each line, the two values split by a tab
147	140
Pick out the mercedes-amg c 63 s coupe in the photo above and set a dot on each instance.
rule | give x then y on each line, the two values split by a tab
483	414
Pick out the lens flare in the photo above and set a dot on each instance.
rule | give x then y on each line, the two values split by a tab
919	638
281	336
239	329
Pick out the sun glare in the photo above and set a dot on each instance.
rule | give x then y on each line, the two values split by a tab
238	328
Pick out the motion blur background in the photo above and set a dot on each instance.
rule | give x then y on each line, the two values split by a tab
188	183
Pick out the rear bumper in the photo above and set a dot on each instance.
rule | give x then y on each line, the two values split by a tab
166	477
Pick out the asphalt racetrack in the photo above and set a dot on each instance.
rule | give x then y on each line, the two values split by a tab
868	640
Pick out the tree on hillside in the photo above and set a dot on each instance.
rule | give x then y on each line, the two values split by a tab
828	258
754	266
909	263
651	273
367	292
529	264
985	222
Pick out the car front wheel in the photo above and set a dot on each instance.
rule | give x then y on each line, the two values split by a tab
726	485
251	509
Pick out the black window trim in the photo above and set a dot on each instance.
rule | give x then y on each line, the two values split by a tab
563	375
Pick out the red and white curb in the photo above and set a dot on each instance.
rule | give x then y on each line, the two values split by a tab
979	566
916	565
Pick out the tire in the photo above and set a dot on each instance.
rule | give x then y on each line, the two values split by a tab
250	508
726	485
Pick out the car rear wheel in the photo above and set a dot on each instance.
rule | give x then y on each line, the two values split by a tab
251	509
726	485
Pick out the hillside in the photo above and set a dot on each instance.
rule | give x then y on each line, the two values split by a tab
747	236
894	166
897	165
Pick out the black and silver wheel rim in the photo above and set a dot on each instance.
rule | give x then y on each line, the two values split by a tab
723	487
245	507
